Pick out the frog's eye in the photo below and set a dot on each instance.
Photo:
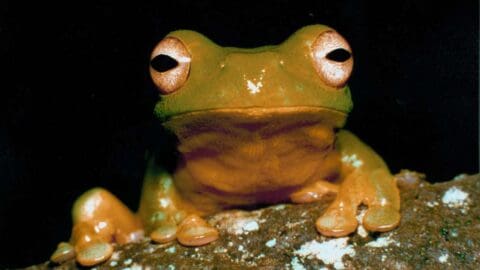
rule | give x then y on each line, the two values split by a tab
332	58
169	65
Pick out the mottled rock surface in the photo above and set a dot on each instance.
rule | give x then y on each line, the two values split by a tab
440	229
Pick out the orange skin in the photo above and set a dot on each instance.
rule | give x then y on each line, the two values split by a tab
242	154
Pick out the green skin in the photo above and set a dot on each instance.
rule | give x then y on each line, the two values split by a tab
217	81
268	77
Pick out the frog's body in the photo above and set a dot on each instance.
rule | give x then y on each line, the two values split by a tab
254	126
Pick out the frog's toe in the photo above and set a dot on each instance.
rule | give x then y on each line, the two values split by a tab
94	253
336	222
381	218
164	234
64	252
195	231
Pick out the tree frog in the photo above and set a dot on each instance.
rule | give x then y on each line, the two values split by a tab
254	127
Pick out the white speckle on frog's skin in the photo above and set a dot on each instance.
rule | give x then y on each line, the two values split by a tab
164	202
455	197
352	160
296	264
382	242
443	258
254	88
127	261
330	252
271	242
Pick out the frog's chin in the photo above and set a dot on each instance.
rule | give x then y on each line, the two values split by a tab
255	117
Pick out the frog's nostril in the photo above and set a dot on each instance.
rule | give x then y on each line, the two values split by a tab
339	55
163	62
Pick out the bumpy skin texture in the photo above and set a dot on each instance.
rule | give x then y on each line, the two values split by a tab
254	126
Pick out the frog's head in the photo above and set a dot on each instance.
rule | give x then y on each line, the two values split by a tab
304	77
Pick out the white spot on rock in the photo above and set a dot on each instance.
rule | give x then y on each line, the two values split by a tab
460	176
443	258
136	267
251	226
171	250
238	222
296	264
271	242
127	261
330	252
455	198
294	224
115	255
431	203
220	250
381	242
360	229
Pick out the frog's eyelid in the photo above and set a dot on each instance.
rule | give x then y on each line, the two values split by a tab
170	65
332	58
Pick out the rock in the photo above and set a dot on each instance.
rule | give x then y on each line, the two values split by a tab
440	228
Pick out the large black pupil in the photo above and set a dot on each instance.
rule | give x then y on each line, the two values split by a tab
339	55
163	62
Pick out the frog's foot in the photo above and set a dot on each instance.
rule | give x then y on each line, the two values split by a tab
338	220
94	253
92	244
315	192
64	252
381	218
164	232
195	231
383	203
100	220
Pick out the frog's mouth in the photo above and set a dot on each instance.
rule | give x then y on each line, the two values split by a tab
254	118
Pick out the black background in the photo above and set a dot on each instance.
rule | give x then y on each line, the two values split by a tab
77	101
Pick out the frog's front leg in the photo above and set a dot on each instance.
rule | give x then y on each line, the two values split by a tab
366	180
166	216
99	219
322	188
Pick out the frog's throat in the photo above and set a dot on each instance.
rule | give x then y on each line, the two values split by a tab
185	122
